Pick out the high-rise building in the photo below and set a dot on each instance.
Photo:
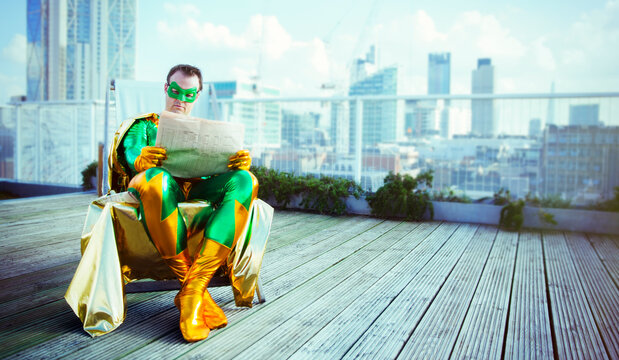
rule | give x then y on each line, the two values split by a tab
550	113
578	160
364	67
483	119
75	46
262	120
587	114
382	120
439	82
421	117
439	73
535	128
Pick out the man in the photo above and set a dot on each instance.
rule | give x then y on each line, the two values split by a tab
136	164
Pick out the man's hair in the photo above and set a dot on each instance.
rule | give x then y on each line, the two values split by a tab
188	70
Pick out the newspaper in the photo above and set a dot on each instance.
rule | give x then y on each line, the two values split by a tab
197	147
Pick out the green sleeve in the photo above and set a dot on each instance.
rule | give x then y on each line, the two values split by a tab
142	133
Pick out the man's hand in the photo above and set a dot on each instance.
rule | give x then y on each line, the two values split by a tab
150	157
240	161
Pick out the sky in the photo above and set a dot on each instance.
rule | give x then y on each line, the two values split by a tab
298	46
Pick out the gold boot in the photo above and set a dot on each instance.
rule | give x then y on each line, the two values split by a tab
199	313
179	264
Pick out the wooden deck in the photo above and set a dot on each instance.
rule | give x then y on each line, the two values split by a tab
336	287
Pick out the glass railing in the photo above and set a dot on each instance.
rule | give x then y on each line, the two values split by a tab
475	144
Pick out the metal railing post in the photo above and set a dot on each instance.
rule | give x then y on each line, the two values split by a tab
358	139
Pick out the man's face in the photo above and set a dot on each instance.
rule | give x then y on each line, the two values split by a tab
183	88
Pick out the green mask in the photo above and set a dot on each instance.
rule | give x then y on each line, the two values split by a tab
178	93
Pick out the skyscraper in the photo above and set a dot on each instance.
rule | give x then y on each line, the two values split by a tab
439	73
263	121
364	67
75	46
439	81
381	120
483	121
535	128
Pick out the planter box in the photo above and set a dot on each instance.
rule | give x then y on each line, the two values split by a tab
599	222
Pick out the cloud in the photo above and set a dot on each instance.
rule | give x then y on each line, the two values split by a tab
320	59
13	85
192	33
543	55
487	34
16	50
181	9
424	29
270	35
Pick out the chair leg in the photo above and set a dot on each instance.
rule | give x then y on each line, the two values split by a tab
259	293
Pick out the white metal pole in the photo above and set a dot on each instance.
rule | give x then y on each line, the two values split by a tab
358	138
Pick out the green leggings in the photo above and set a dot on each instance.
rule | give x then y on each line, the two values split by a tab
159	193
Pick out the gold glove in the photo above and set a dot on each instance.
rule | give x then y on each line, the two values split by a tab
240	161
150	157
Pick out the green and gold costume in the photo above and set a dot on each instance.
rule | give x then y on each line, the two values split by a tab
197	226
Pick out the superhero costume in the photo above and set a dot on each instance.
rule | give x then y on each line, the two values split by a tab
227	225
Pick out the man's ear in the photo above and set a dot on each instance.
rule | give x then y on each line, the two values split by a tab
165	87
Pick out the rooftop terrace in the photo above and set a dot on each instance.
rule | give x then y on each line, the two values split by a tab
336	287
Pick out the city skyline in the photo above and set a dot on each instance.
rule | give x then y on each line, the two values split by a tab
571	44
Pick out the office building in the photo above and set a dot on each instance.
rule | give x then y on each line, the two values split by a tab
439	73
422	117
483	117
585	115
439	82
535	128
262	120
382	120
364	67
578	160
76	46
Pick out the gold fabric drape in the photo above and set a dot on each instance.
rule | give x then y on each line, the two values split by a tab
117	250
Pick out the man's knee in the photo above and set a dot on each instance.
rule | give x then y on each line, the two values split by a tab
243	181
154	180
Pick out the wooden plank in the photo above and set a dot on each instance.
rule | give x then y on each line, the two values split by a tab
287	257
574	327
19	343
23	210
44	257
529	334
484	327
290	235
335	338
600	290
388	267
24	237
608	252
167	341
31	283
388	333
437	331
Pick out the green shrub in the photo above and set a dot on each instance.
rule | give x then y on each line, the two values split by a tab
326	195
548	201
449	195
403	196
89	172
608	205
512	213
279	185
